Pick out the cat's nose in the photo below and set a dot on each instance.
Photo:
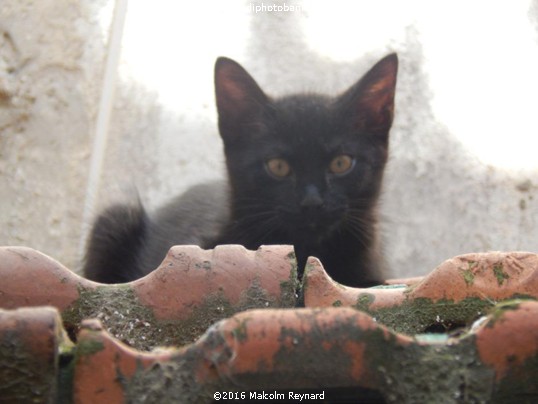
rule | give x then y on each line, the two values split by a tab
312	199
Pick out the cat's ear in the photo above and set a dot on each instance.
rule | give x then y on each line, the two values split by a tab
370	102
239	98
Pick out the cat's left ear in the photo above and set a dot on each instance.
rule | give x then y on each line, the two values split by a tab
240	100
370	102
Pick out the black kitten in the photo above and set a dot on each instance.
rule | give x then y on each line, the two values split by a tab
304	170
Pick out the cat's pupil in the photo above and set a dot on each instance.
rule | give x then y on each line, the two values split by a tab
278	167
341	164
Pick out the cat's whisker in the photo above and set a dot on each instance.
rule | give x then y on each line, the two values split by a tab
256	228
360	227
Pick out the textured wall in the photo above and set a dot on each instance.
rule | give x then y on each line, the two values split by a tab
51	55
462	175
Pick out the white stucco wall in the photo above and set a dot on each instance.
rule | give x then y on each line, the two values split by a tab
463	171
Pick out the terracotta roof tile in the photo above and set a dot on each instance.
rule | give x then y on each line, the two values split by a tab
30	278
294	350
457	292
173	305
30	339
462	332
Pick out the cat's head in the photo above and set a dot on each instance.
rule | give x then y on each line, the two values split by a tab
307	164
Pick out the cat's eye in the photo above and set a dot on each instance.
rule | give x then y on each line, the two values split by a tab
341	164
278	167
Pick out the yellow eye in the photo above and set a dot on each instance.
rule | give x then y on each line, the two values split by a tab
341	164
278	168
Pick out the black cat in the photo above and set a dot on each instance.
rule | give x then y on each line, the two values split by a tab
304	170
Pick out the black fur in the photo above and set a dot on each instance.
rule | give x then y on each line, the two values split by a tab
126	243
118	233
321	211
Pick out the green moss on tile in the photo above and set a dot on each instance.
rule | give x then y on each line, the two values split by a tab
468	273
128	320
501	308
364	300
25	377
120	311
468	277
432	373
290	286
448	373
418	315
500	274
88	347
292	257
240	332
215	307
403	372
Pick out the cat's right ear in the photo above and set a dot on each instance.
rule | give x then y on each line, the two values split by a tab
370	102
240	100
